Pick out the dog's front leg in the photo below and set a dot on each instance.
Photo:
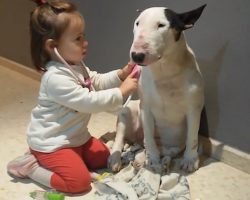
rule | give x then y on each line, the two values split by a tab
152	152
114	161
190	160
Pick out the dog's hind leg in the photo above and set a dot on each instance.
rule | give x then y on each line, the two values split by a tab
139	161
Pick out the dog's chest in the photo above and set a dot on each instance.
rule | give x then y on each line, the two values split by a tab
164	97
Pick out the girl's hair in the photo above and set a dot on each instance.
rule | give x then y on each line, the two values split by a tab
44	25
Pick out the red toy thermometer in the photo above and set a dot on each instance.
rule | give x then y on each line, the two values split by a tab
136	72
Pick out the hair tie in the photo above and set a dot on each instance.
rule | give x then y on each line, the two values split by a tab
40	2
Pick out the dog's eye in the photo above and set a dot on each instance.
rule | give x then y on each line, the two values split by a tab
160	25
137	23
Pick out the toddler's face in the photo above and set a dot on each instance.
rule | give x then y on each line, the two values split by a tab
72	44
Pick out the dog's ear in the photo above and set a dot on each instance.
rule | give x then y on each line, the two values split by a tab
183	21
189	18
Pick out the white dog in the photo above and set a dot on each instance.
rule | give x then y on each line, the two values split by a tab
170	89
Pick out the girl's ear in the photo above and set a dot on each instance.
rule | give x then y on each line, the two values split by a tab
50	44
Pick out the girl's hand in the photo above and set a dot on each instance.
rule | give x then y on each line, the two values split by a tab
129	85
125	71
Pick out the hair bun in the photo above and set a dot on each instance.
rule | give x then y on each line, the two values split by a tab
40	2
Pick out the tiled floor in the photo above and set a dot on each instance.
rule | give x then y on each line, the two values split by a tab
213	181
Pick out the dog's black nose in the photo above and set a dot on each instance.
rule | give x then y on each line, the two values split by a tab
138	57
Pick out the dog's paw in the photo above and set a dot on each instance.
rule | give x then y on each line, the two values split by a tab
114	161
153	163
154	167
165	162
190	161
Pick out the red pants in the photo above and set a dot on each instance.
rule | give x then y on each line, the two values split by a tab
71	165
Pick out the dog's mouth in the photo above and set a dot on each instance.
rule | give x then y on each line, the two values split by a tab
144	59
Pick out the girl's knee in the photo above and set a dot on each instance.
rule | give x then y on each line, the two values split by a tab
79	184
73	184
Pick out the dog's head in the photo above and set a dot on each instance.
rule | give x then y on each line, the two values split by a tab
156	30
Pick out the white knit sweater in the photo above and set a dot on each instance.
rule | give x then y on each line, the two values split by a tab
64	107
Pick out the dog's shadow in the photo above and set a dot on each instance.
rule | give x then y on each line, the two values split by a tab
210	70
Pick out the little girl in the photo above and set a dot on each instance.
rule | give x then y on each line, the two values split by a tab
62	150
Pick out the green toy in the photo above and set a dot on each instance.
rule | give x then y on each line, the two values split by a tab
46	195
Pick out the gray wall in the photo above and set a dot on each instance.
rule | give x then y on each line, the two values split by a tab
220	40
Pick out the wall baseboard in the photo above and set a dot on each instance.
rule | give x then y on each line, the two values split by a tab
229	155
210	147
20	68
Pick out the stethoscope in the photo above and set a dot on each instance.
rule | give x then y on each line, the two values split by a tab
86	82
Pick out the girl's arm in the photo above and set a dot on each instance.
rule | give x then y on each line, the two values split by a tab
110	79
65	91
